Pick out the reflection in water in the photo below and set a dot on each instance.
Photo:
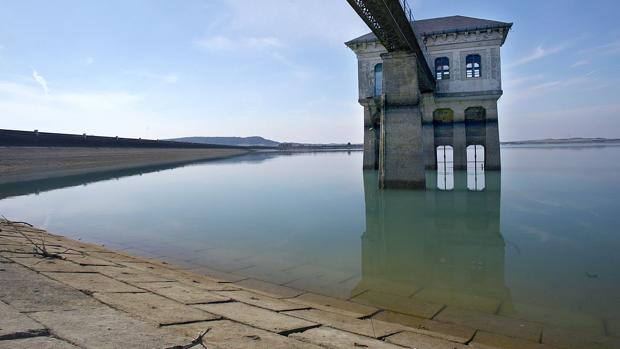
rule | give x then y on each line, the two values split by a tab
433	246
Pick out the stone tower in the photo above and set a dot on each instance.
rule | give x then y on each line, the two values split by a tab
464	55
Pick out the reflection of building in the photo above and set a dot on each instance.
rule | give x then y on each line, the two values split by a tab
463	54
433	246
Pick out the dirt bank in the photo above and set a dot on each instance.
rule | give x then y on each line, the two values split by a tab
18	164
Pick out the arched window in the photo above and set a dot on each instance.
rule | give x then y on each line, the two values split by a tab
442	68
474	66
378	79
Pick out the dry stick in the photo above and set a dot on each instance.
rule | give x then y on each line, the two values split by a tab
36	249
195	342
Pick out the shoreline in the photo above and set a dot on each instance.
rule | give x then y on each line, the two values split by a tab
23	164
176	305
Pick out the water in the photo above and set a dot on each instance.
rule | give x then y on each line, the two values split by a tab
539	242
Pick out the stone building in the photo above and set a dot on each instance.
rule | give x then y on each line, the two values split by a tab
464	55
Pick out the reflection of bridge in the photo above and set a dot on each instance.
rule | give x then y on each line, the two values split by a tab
411	109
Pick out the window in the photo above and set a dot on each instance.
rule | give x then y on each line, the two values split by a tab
442	68
378	79
445	167
475	168
473	67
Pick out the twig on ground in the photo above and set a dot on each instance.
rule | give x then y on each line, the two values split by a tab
195	342
39	250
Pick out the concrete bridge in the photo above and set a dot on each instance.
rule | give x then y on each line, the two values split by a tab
411	110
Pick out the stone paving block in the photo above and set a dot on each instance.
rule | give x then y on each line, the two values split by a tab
13	324
106	328
554	317
269	289
486	340
183	293
334	305
257	317
89	260
233	335
37	343
417	340
491	323
92	282
152	307
454	333
399	304
261	272
565	339
50	265
26	290
369	328
260	300
461	300
217	275
332	338
192	279
127	274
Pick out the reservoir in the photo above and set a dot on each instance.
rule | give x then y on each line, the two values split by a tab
538	242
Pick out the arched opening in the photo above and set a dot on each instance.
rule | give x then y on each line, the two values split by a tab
442	68
475	125
473	66
443	121
378	79
475	168
445	167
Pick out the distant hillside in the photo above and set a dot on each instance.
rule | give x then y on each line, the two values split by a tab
566	141
238	141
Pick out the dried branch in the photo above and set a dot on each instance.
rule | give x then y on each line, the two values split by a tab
195	342
39	250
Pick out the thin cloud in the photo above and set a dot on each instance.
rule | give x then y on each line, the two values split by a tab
40	80
539	53
170	78
603	50
581	63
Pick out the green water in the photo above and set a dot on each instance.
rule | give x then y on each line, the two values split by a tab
540	242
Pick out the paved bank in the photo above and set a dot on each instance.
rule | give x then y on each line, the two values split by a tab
19	164
96	298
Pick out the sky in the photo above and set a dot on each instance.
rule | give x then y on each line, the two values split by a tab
279	68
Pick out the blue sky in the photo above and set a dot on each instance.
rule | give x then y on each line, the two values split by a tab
279	68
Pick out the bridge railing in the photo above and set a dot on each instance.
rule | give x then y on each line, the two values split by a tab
407	8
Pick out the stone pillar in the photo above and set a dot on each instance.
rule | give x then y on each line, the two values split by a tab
430	153
371	144
460	141
401	162
492	156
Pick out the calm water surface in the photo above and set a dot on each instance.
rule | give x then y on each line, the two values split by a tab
540	242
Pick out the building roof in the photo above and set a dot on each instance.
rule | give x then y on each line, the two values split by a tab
442	25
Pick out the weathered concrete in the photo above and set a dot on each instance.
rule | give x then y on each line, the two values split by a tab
401	161
115	311
417	340
36	343
34	163
15	325
332	338
233	335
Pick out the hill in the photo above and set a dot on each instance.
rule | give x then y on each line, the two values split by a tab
237	141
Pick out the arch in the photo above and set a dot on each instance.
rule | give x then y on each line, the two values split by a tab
443	121
378	80
473	66
475	125
442	68
443	116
